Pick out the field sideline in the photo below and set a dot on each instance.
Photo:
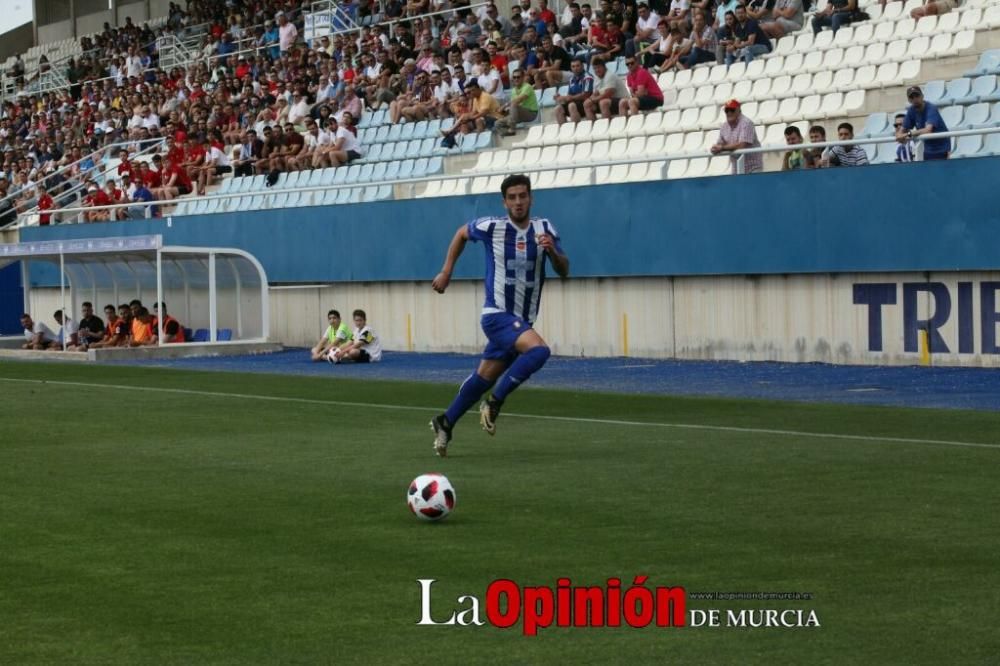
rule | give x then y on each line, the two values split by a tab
165	516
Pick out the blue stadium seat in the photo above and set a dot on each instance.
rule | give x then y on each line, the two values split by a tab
435	165
379	170
420	130
365	174
955	91
365	136
446	124
188	334
395	131
224	335
967	146
881	153
876	124
329	175
374	153
952	116
353	172
989	63
382	135
991	145
225	186
213	206
995	114
405	168
427	147
406	131
976	116
986	88
399	150
433	129
412	149
419	168
201	335
339	175
315	176
933	91
391	171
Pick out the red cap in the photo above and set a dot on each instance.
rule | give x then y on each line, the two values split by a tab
732	104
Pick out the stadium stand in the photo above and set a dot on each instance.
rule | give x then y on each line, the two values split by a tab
212	71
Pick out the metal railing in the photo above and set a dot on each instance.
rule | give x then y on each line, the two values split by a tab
412	183
101	169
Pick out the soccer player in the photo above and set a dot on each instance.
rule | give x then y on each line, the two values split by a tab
516	248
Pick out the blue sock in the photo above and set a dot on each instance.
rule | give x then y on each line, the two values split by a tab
526	365
471	391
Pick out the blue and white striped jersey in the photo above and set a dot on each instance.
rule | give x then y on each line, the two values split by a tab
515	267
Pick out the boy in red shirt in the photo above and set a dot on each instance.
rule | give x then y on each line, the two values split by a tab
45	203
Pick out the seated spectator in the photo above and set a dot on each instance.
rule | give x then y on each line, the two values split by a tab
143	334
660	49
249	152
786	17
836	14
172	329
216	163
37	335
793	159
736	133
96	197
117	329
484	113
645	30
933	8
345	147
581	87
175	182
523	107
609	92
702	43
646	94
365	346
922	117
91	327
68	331
142	194
749	40
850	155
814	156
115	195
337	334
554	66
906	151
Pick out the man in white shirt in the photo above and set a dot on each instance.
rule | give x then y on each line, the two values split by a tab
68	331
299	110
365	346
346	148
216	162
287	33
645	30
317	141
37	335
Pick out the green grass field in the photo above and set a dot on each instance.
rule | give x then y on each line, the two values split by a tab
256	519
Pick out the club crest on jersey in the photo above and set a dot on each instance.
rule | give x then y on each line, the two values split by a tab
521	245
517	324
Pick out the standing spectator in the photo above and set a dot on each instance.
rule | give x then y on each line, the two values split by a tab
736	133
905	151
609	92
45	204
646	93
836	13
287	33
786	17
793	159
581	87
850	155
523	107
922	117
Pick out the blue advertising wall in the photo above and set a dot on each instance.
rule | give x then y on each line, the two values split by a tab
11	299
926	216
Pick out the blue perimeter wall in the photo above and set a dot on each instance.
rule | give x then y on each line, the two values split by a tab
936	216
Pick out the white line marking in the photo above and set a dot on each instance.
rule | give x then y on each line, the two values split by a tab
544	417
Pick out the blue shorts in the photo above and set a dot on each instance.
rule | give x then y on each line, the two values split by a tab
502	330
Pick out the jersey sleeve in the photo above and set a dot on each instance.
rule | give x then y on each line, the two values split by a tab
550	229
343	334
479	230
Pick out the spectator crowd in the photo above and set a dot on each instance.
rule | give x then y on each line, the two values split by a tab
259	100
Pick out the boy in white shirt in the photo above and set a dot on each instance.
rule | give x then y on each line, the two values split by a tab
365	346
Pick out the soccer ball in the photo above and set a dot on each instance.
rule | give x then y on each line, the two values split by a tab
431	496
